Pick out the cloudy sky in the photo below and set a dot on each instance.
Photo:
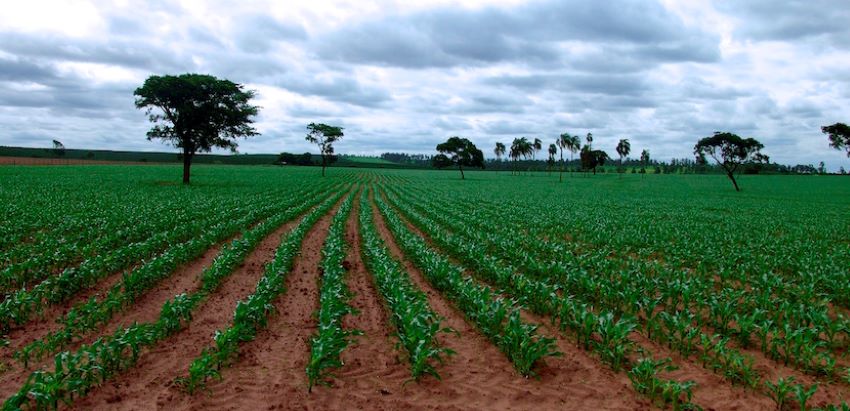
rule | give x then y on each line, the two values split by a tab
402	76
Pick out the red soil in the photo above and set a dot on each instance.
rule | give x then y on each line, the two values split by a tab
151	382
270	371
712	391
481	377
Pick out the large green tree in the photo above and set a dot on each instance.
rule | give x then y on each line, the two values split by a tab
324	136
729	151
839	136
590	159
461	152
196	112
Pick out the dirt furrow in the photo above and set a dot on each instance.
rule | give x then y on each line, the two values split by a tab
270	370
712	391
151	381
481	377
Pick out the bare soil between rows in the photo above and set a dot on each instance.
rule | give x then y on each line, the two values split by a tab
712	392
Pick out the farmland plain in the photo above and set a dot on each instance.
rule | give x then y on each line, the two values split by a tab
275	287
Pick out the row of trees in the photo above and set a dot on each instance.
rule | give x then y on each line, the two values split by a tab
590	159
727	149
198	112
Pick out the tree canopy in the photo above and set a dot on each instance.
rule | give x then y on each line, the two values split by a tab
461	152
590	159
196	112
623	148
839	136
729	151
324	136
520	147
58	148
500	150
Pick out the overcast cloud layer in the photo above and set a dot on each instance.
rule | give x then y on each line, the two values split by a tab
403	77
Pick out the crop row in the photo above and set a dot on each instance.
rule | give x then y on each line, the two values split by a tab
416	323
494	316
331	338
20	307
795	333
626	292
89	315
39	260
252	313
75	373
624	298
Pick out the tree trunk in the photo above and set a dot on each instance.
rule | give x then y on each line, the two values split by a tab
561	174
461	172
187	163
734	183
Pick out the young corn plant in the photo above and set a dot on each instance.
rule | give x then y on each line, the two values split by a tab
780	391
614	346
334	296
803	394
644	377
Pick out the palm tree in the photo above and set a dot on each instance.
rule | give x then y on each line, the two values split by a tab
499	151
623	149
553	149
562	142
537	146
644	159
574	145
589	139
520	147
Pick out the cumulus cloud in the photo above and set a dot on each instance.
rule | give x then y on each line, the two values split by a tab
402	76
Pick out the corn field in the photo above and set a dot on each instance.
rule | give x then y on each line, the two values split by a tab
277	287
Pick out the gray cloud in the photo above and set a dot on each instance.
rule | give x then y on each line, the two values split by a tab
120	52
338	88
259	33
792	19
608	84
403	78
528	34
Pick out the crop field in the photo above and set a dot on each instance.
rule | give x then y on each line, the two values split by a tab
276	288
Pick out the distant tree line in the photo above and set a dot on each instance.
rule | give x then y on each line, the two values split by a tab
305	159
197	112
421	160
